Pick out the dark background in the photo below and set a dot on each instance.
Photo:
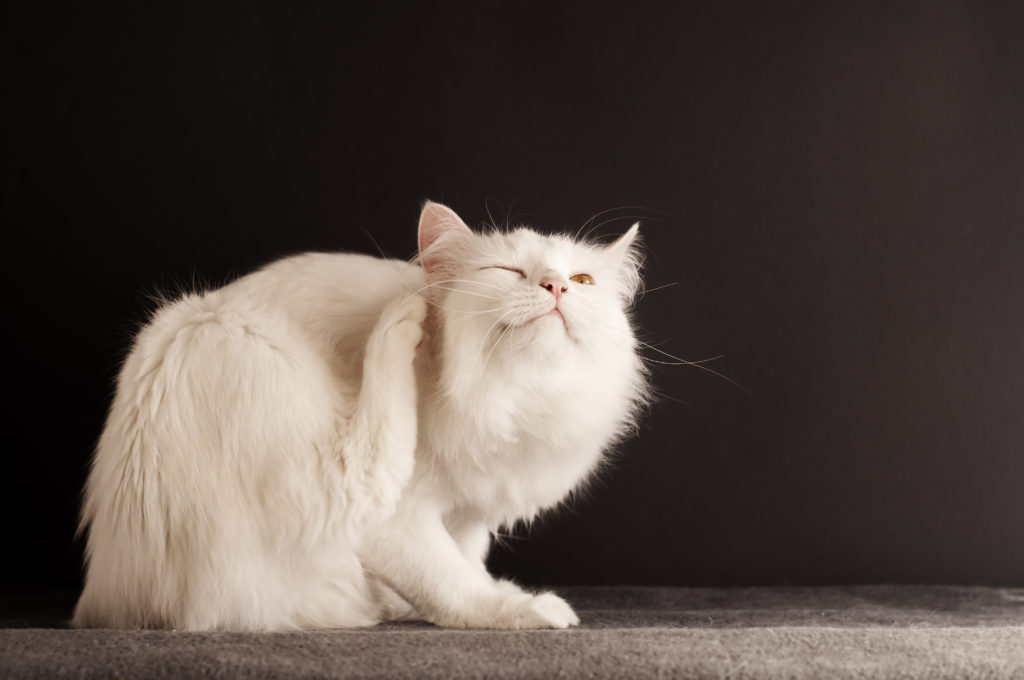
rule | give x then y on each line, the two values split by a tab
836	189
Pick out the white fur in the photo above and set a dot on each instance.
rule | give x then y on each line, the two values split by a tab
309	447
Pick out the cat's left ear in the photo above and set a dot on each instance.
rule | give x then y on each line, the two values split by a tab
625	253
621	248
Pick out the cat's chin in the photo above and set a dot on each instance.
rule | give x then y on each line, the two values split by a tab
557	323
549	330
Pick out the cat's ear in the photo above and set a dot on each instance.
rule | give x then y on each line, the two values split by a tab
625	252
622	247
442	236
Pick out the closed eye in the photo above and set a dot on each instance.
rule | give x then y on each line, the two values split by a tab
508	269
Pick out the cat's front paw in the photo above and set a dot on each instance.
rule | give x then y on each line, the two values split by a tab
402	322
524	611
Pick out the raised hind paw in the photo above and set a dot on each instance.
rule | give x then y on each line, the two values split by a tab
401	324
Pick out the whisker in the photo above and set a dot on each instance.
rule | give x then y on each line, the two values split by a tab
496	342
463	312
470	292
645	291
698	364
374	241
621	207
508	213
651	389
662	395
500	318
682	363
487	209
469	281
610	220
439	284
655	348
678	361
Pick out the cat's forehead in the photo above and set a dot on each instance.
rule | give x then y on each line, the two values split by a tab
527	247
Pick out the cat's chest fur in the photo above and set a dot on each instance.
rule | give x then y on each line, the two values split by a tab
517	445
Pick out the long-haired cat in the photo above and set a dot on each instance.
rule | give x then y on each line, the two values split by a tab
331	440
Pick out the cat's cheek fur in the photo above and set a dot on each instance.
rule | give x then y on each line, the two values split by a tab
307	447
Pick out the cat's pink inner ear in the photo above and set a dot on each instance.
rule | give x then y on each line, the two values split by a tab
440	231
620	246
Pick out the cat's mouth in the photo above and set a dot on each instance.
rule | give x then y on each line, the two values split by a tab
555	314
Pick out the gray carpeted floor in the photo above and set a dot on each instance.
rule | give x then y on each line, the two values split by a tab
833	632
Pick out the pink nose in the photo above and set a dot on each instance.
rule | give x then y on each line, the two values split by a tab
554	285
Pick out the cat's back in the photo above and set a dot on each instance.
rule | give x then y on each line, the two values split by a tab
326	301
313	288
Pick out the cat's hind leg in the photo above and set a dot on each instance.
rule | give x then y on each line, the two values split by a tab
378	443
212	498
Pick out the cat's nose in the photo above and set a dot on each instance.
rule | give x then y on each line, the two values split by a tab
554	285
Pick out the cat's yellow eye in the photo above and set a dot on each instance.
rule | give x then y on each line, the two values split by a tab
585	279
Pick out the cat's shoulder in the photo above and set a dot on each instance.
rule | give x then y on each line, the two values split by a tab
323	275
313	261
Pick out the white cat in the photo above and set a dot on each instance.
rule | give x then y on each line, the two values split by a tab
331	440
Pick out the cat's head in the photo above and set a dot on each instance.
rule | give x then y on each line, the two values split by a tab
524	299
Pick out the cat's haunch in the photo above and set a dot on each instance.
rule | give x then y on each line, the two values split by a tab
331	440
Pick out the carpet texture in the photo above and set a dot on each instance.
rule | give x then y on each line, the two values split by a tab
827	632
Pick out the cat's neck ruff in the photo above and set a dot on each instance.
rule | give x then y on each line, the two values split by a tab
506	434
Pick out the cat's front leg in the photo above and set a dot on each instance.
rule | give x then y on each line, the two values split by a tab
472	536
474	540
416	555
378	443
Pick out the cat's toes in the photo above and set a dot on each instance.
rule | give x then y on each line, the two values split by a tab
546	610
554	610
403	320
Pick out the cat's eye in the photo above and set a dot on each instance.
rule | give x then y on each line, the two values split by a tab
585	279
508	269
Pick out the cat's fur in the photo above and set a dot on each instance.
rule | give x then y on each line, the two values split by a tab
329	441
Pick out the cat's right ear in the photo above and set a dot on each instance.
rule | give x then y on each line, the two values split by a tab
442	237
